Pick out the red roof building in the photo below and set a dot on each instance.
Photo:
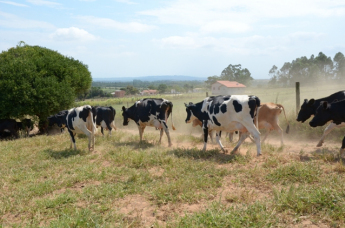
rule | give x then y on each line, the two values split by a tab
227	88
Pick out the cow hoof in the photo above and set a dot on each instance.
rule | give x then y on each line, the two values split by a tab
259	154
319	144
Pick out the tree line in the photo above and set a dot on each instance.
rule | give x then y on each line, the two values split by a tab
309	70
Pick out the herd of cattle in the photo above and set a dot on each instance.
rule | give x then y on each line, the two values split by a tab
232	113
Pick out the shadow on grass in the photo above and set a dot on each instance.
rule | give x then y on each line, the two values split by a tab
215	155
64	153
325	154
136	145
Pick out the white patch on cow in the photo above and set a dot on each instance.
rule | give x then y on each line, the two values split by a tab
104	125
153	122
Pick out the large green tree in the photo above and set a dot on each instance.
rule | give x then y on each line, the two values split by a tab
38	82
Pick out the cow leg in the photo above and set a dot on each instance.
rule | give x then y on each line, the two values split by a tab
280	131
206	132
141	131
243	137
112	124
166	129
161	134
231	136
327	130
102	131
267	132
219	142
255	133
90	135
109	128
73	139
211	135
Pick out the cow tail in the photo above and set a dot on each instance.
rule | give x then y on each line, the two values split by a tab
257	117
112	124
91	123
172	122
288	125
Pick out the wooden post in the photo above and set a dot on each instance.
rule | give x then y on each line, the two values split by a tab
206	94
297	98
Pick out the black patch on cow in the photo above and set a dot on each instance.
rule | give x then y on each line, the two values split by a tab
237	106
223	108
252	106
70	118
83	114
216	108
211	109
215	121
165	124
226	98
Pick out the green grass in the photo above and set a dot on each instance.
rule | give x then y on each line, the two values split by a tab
45	184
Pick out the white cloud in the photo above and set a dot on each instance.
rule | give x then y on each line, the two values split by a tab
72	34
239	16
250	45
126	1
13	3
224	27
12	21
178	42
44	3
135	27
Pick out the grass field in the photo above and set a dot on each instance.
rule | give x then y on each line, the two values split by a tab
124	183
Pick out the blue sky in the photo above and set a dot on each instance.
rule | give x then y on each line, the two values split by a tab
131	38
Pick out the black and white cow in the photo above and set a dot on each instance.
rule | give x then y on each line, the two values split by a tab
330	112
77	120
105	117
9	126
152	112
309	107
197	116
229	114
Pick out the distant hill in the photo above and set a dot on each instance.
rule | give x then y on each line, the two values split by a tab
152	78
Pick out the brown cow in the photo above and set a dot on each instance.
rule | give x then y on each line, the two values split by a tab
268	118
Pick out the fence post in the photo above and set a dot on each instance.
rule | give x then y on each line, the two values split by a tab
206	94
297	98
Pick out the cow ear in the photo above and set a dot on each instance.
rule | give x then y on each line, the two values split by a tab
185	105
311	102
325	105
123	108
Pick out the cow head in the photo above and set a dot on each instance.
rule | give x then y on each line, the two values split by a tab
59	120
125	116
307	110
322	116
189	110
